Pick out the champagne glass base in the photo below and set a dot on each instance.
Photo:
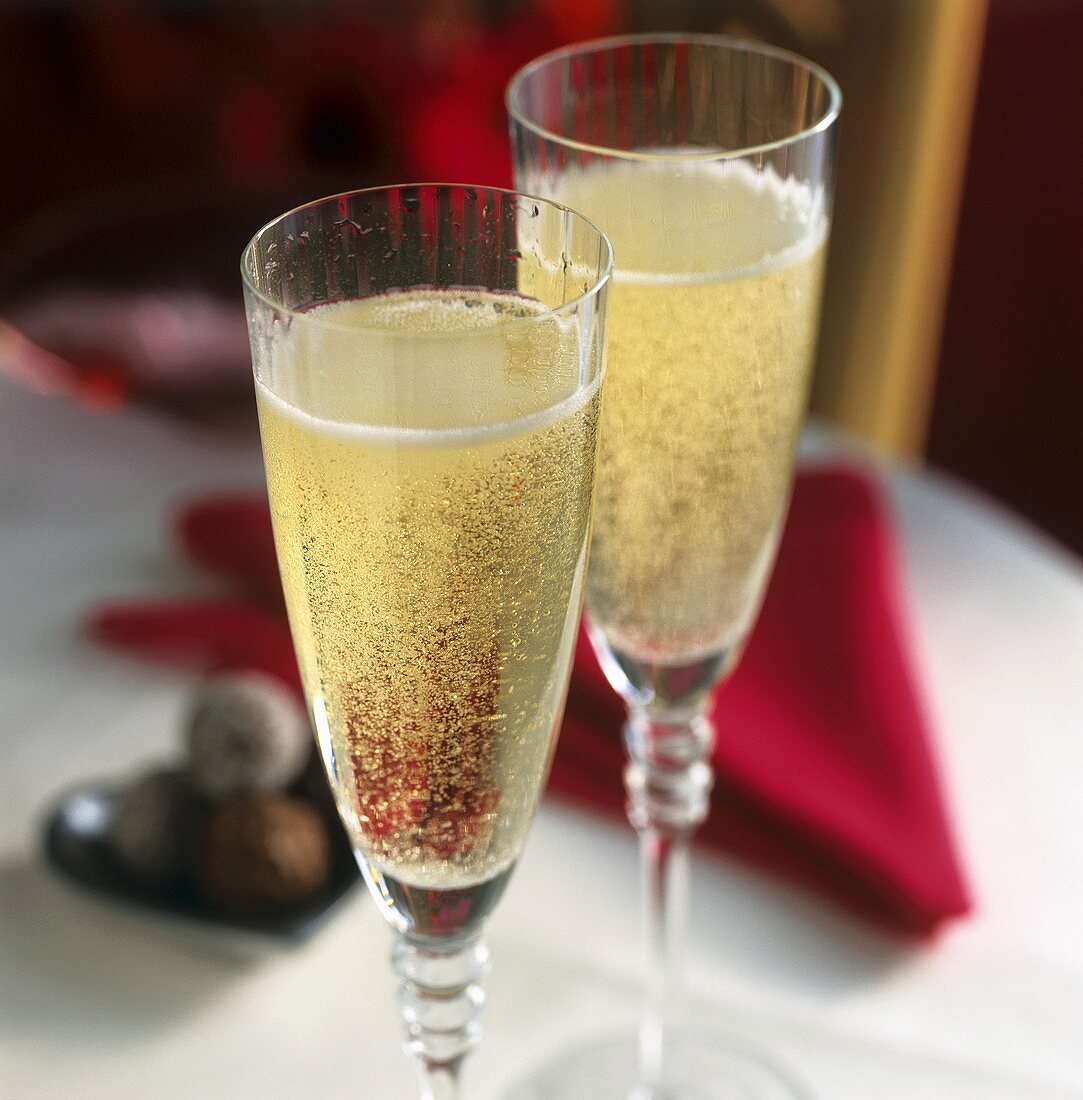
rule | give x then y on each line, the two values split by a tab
715	1066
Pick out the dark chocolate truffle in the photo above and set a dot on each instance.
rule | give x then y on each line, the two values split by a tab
247	733
155	820
261	852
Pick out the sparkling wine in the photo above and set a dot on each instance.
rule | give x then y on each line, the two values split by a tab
712	325
431	516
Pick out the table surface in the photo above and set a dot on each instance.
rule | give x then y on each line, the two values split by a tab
100	1001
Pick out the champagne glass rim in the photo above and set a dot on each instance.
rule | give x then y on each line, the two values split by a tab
598	281
718	41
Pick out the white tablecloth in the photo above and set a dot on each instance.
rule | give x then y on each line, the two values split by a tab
100	1001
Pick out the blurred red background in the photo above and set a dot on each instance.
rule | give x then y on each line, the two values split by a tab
195	121
1008	412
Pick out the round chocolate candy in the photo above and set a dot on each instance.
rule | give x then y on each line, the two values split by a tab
261	853
155	819
247	732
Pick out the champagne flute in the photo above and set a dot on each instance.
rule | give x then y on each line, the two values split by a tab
428	362
708	162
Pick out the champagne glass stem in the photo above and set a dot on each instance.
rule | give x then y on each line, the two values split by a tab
440	998
439	1082
668	781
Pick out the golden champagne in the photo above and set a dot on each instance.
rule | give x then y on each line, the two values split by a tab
712	326
429	457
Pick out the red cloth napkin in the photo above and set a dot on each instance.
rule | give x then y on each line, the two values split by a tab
824	767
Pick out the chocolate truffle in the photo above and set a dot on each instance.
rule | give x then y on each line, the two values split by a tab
247	733
261	852
154	823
